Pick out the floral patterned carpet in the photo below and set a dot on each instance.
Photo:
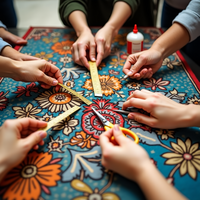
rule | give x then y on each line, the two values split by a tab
69	166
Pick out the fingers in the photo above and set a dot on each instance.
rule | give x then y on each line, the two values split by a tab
137	103
105	138
92	52
25	57
25	125
32	140
100	51
143	94
118	135
144	119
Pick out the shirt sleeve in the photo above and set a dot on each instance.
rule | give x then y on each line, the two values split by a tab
3	44
190	19
2	25
66	7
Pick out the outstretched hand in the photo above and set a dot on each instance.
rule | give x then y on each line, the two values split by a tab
17	138
143	64
164	112
126	158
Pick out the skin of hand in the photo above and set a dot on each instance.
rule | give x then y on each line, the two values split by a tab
143	64
115	157
99	46
164	112
85	43
40	71
17	138
16	55
132	161
103	40
148	62
11	38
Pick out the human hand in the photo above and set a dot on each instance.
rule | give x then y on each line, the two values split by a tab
103	40
40	71
127	158
17	137
145	64
83	44
16	55
11	38
164	112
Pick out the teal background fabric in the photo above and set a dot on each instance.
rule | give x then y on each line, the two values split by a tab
68	166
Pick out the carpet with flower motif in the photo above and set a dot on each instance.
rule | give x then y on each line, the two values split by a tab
68	166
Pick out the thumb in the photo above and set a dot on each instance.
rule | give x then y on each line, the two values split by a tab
118	135
48	80
33	139
139	64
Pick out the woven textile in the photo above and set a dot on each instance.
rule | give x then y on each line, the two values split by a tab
68	166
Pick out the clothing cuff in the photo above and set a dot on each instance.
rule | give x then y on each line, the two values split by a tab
3	44
70	8
2	26
191	21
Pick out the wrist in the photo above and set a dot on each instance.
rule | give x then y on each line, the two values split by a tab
4	169
83	30
193	113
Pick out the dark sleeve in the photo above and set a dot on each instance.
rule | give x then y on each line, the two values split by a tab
66	7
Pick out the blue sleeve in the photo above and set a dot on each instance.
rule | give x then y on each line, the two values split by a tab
2	25
3	44
190	19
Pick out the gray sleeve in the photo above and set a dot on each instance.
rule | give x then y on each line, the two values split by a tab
3	44
2	25
190	19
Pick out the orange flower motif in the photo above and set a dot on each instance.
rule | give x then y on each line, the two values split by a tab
63	47
121	39
108	84
82	140
35	172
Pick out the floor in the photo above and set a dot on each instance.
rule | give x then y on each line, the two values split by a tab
44	13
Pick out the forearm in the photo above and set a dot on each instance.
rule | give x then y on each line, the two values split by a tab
79	22
115	21
172	40
155	187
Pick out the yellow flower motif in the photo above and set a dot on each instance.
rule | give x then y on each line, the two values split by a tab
49	40
108	84
115	62
165	133
43	55
88	193
186	155
28	111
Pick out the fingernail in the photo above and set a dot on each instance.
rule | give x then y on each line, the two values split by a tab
130	73
42	134
116	127
131	116
55	82
93	59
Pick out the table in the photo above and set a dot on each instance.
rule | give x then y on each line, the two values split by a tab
68	165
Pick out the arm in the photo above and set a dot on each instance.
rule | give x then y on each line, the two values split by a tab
163	112
138	168
9	37
105	35
185	28
17	137
31	71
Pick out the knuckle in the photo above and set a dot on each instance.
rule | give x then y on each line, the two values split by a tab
7	123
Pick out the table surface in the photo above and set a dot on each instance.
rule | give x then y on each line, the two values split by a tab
68	165
195	68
